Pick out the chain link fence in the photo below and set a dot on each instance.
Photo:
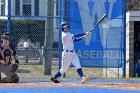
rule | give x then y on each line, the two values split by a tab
36	22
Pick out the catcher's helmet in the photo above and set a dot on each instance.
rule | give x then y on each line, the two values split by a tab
6	38
6	34
63	24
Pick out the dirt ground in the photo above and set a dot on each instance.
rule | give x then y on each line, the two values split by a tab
125	86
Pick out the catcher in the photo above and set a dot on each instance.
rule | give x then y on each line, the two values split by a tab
7	52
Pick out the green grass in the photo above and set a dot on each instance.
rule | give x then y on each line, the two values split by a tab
33	71
36	72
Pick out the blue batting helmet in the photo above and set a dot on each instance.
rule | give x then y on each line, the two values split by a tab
63	24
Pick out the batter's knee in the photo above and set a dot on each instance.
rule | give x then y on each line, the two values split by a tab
62	71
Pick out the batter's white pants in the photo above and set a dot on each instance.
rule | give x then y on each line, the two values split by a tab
67	59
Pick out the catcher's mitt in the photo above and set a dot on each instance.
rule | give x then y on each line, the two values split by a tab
14	67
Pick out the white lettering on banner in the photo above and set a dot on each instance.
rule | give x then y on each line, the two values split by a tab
91	54
99	54
88	17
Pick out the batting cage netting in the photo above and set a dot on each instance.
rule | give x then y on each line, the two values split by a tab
36	22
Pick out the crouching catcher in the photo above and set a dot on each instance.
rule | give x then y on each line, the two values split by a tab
7	52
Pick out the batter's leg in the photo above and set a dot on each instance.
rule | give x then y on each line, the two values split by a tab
66	60
77	65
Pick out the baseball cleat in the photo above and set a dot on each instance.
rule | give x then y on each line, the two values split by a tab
85	79
54	80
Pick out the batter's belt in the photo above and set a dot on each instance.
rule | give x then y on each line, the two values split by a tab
69	50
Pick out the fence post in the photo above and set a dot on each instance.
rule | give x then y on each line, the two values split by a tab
41	52
9	16
124	58
26	46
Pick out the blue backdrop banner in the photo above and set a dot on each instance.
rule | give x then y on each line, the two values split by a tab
104	47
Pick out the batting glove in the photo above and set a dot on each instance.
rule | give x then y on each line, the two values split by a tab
87	33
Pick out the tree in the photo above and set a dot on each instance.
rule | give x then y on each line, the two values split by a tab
48	42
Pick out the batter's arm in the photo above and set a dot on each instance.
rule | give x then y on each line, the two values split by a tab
79	37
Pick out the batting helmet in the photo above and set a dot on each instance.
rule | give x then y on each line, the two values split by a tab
63	24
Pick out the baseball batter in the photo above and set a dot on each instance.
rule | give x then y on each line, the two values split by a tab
7	51
68	55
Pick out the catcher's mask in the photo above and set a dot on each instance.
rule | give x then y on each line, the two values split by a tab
64	24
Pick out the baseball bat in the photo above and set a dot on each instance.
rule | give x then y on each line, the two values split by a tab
102	18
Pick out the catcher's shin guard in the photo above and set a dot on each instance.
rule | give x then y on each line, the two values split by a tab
15	79
6	80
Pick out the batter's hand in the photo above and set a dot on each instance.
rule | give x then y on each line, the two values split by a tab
87	33
84	37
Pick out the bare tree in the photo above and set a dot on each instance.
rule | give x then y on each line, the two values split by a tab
48	42
133	5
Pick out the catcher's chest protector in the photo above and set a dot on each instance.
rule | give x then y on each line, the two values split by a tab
6	53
